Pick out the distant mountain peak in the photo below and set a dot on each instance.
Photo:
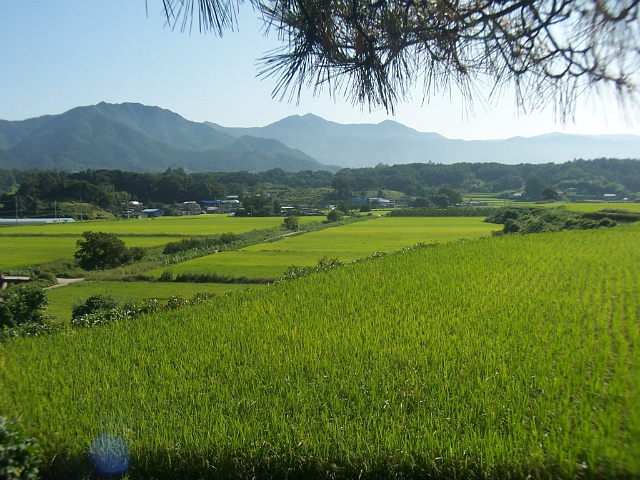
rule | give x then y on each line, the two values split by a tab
133	136
390	142
148	138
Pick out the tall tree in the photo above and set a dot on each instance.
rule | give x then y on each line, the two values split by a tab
375	50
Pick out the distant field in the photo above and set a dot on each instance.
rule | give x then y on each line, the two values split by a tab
182	226
33	244
32	250
61	299
595	207
346	243
577	207
23	251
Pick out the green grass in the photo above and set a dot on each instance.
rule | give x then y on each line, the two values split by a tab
181	226
493	358
493	201
595	207
32	250
35	244
23	251
347	243
61	299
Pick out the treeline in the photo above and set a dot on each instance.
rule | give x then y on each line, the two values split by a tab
523	220
9	179
108	189
33	191
587	177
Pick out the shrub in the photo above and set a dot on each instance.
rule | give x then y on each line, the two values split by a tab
326	262
524	220
334	215
132	310
21	305
167	276
229	237
136	254
95	303
45	279
19	454
186	244
291	223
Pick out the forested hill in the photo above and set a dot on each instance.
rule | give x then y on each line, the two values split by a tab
579	180
366	145
590	178
136	137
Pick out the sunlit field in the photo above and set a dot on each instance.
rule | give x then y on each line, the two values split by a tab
181	226
595	207
61	299
31	250
23	251
34	244
499	357
493	201
346	243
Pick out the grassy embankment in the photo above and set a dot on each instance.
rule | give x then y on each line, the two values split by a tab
497	357
61	300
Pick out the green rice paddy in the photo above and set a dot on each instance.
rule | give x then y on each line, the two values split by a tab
346	243
178	226
22	251
27	245
499	357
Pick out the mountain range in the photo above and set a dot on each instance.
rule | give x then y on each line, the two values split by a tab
141	138
138	138
389	142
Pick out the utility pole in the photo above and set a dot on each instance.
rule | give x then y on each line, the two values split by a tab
16	199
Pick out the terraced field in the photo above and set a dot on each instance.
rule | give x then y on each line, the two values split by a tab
35	244
345	243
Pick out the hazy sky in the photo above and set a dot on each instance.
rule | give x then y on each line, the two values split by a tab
57	55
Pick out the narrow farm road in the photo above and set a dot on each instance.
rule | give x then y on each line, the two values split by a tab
63	282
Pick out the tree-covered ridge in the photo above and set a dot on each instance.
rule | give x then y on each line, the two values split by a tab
110	188
136	137
593	177
141	138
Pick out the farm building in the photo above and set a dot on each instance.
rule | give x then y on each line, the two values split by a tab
151	213
222	206
34	221
190	208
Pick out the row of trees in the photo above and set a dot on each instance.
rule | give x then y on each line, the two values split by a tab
590	177
110	188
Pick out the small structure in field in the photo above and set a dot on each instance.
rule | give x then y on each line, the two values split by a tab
5	280
34	221
151	213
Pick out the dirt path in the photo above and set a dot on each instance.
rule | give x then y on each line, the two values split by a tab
64	281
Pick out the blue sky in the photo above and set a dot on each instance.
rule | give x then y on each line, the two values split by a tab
55	56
